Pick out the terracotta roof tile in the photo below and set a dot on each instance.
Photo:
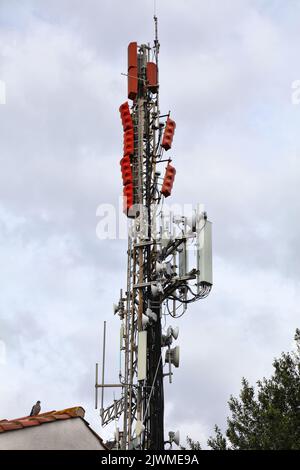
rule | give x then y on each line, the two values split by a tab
48	417
45	419
10	426
27	423
62	416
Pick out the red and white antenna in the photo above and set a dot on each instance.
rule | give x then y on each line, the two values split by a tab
159	283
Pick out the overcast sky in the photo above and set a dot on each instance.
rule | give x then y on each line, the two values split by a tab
226	72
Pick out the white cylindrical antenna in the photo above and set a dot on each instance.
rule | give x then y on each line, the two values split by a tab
96	387
103	369
170	370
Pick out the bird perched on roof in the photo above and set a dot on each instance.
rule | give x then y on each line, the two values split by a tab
36	409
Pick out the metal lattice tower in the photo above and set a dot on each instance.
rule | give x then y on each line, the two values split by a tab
157	272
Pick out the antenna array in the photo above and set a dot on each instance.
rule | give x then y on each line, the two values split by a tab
160	283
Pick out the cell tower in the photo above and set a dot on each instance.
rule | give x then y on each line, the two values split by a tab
159	282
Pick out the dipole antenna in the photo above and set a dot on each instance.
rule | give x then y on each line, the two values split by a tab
160	281
156	41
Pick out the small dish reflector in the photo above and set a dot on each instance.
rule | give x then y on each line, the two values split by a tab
172	356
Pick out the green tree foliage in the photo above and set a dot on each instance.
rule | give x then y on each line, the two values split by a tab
191	445
268	419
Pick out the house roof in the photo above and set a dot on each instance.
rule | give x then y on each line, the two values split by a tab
48	417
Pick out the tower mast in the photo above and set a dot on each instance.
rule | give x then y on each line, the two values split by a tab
157	253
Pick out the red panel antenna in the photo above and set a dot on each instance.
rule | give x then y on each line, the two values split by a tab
168	134
127	197
126	116
126	170
128	146
168	181
132	71
132	55
152	77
